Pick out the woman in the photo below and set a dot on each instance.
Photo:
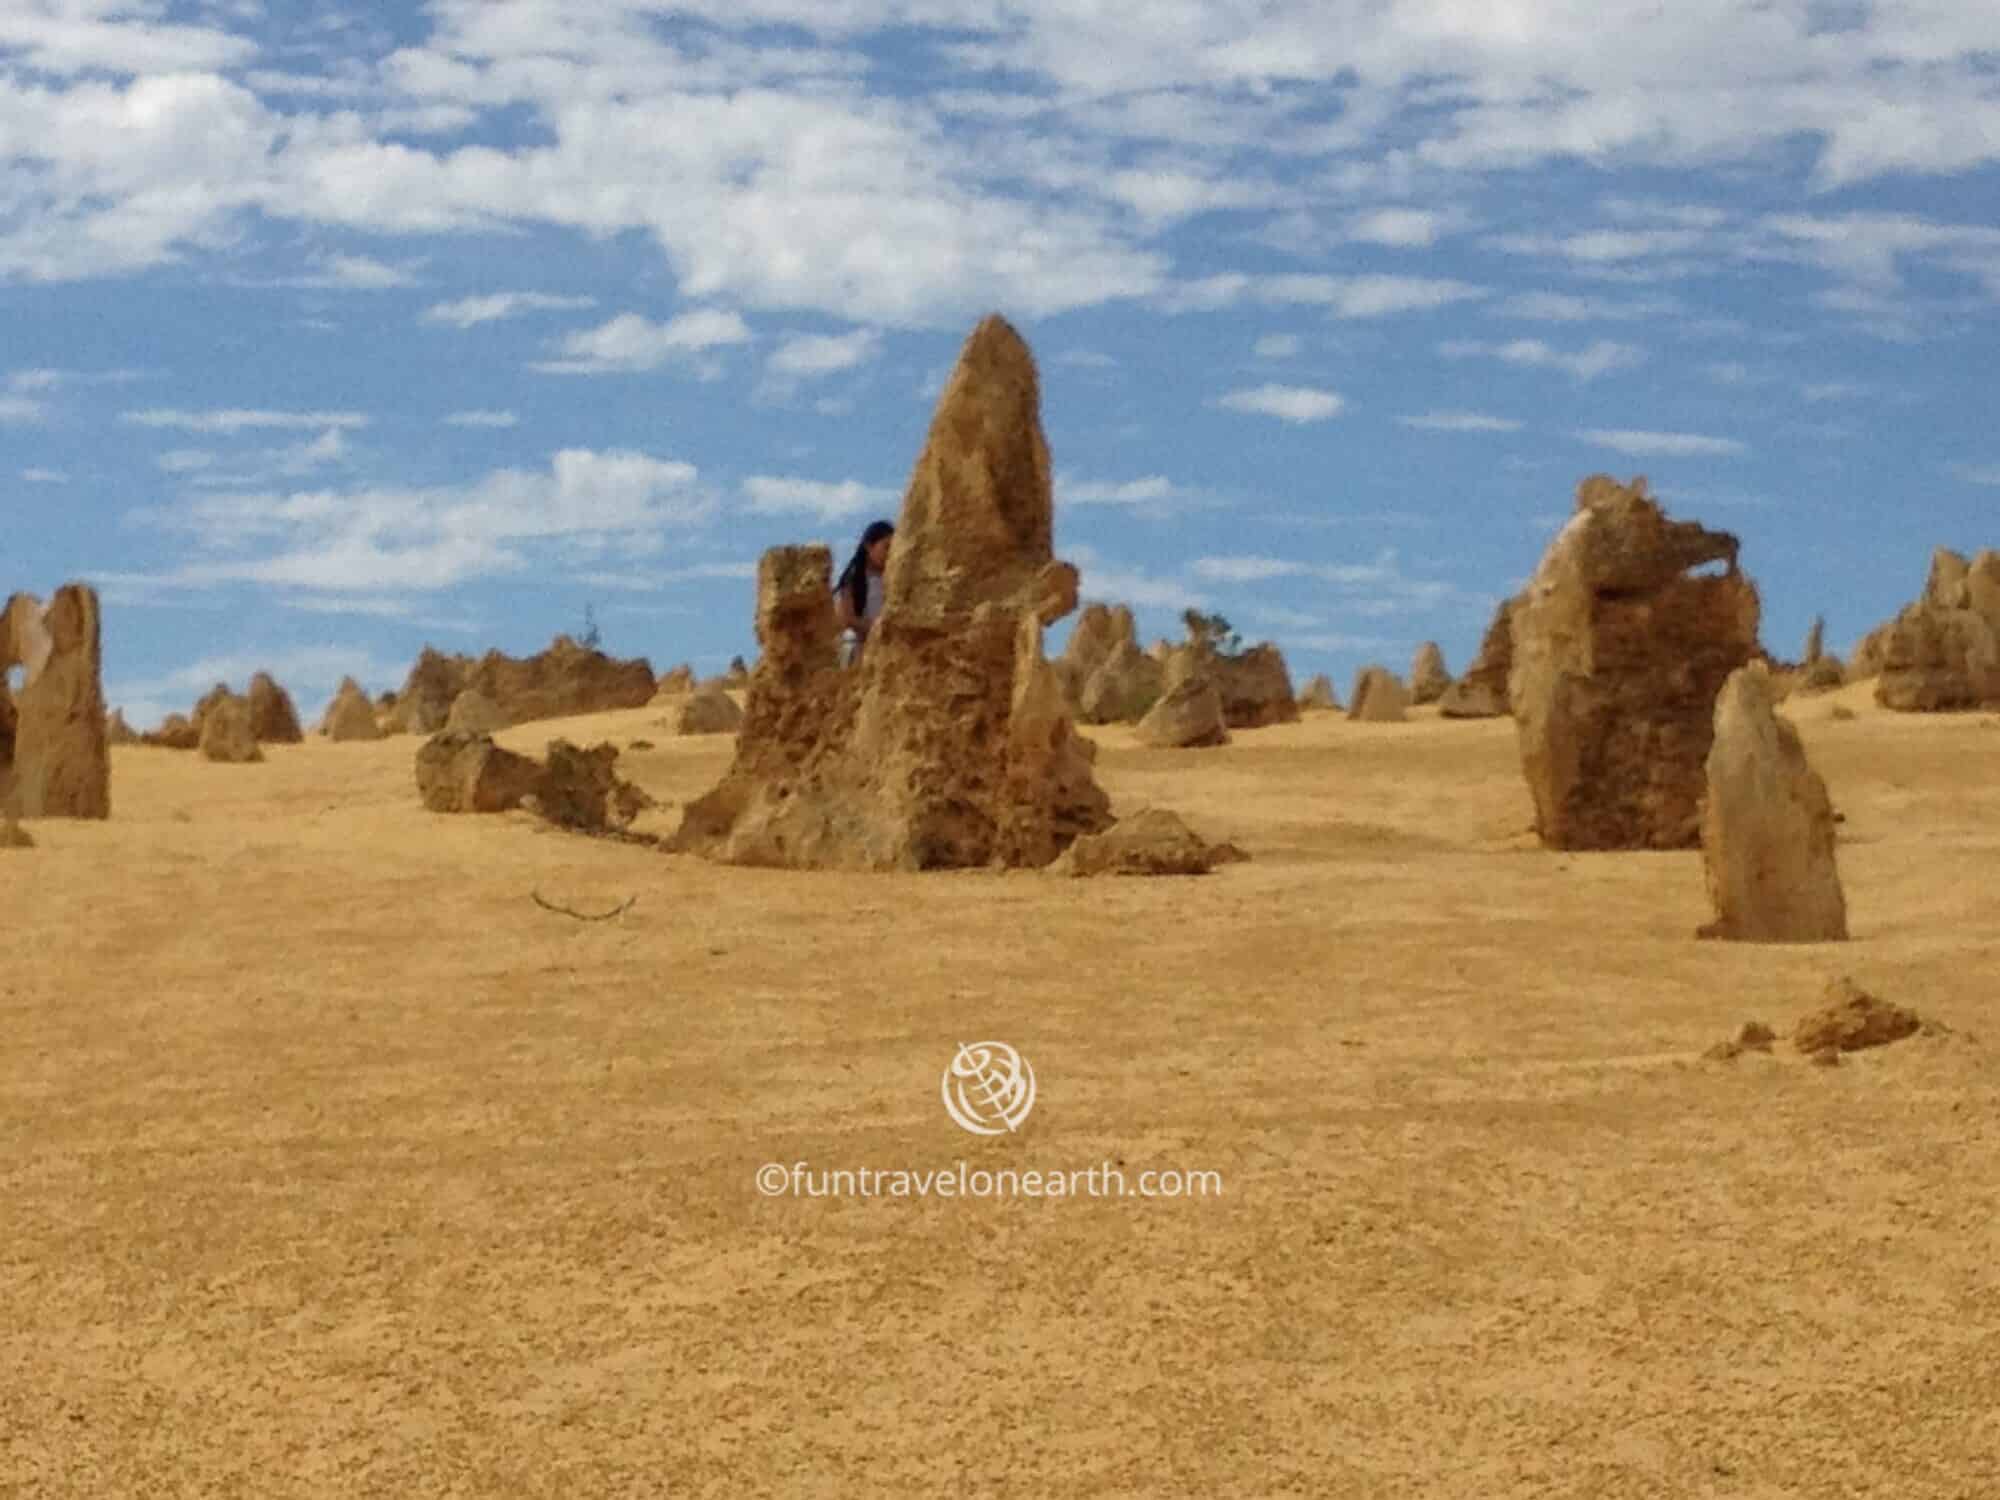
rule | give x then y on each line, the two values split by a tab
858	597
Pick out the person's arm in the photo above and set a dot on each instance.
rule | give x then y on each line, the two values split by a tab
843	610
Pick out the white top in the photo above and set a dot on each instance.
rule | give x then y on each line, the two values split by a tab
877	591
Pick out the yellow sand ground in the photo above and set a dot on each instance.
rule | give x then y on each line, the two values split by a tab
333	1165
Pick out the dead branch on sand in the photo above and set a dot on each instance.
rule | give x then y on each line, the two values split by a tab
605	916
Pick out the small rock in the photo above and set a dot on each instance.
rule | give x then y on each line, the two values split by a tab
1756	1034
709	711
1151	841
1751	1036
1852	1019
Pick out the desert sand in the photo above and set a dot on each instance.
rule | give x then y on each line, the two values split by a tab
337	1165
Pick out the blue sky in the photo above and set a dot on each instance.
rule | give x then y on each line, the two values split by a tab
329	331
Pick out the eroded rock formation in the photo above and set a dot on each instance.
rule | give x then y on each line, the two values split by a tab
1482	692
1188	716
350	716
1106	678
950	744
55	757
1620	650
226	734
274	719
462	771
565	680
1254	685
1767	829
1429	678
1318	693
1378	697
1943	651
708	710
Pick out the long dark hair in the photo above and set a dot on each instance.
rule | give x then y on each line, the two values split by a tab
854	577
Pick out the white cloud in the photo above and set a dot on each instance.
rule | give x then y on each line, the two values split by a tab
809	356
1567	307
1460	421
481	419
1732	372
1086	359
75	36
375	541
767	175
1368	296
1658	211
1370	589
1099	579
1153	493
748	145
1868	254
708	570
1401	227
1378	296
652	581
361	273
1599	358
1210	294
1284	619
22	382
1662	444
1278	346
237	420
1869	248
1165	195
470	312
329	447
1987	474
119	177
257	466
776	495
44	476
1289	403
349	604
1336	642
630	343
1246	569
21	411
1599	247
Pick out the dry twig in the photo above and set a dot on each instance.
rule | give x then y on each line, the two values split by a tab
603	916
